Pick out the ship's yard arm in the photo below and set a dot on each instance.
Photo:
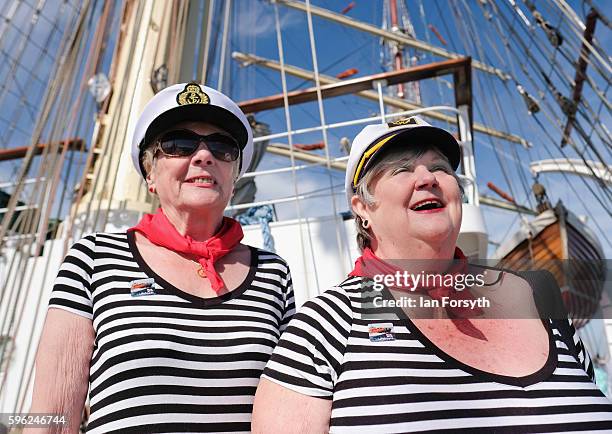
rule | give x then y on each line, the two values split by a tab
391	36
62	369
251	59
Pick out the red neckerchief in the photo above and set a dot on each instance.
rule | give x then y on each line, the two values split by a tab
158	229
368	265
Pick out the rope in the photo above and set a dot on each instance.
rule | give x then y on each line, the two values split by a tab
542	74
511	54
281	58
105	177
579	28
11	78
261	215
118	134
555	67
315	67
56	96
429	56
467	26
65	123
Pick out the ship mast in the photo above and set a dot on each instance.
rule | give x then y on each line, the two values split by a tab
152	52
396	56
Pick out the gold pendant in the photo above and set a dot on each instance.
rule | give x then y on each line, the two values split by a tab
201	273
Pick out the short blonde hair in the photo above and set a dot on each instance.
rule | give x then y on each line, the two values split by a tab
392	159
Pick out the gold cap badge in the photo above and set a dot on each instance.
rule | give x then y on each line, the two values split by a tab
405	121
192	94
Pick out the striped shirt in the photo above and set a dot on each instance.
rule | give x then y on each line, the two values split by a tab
165	360
406	384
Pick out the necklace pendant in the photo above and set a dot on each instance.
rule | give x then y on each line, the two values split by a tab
201	273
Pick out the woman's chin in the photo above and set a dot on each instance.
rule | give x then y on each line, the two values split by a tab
432	230
204	198
434	236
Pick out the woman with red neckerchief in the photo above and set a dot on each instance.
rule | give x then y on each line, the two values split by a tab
416	339
170	324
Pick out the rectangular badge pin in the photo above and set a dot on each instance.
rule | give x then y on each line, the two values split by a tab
141	287
381	332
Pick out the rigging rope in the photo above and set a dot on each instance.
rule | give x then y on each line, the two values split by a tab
461	26
428	39
511	55
579	32
11	77
542	74
555	67
119	133
281	58
17	273
323	123
260	215
475	38
64	123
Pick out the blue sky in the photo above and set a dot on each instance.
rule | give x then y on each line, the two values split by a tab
461	23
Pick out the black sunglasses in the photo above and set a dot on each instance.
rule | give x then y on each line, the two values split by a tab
183	143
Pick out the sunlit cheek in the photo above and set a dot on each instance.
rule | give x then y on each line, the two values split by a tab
402	190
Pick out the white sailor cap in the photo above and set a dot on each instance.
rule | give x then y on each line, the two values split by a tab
404	131
191	102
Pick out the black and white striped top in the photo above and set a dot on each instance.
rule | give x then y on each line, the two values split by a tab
165	360
406	384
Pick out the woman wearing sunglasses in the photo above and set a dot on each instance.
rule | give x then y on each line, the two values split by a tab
170	324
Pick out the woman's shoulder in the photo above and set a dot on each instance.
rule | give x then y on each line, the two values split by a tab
92	237
267	258
263	253
104	238
91	244
333	305
340	294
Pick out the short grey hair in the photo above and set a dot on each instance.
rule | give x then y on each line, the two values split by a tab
392	159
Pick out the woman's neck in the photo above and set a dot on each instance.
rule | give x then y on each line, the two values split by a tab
198	226
418	256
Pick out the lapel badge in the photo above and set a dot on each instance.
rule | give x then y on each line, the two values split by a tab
192	94
381	332
141	287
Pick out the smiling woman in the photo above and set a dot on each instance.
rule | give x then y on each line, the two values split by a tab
394	162
170	324
440	356
200	176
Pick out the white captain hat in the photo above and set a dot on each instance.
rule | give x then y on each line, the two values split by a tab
402	132
191	102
